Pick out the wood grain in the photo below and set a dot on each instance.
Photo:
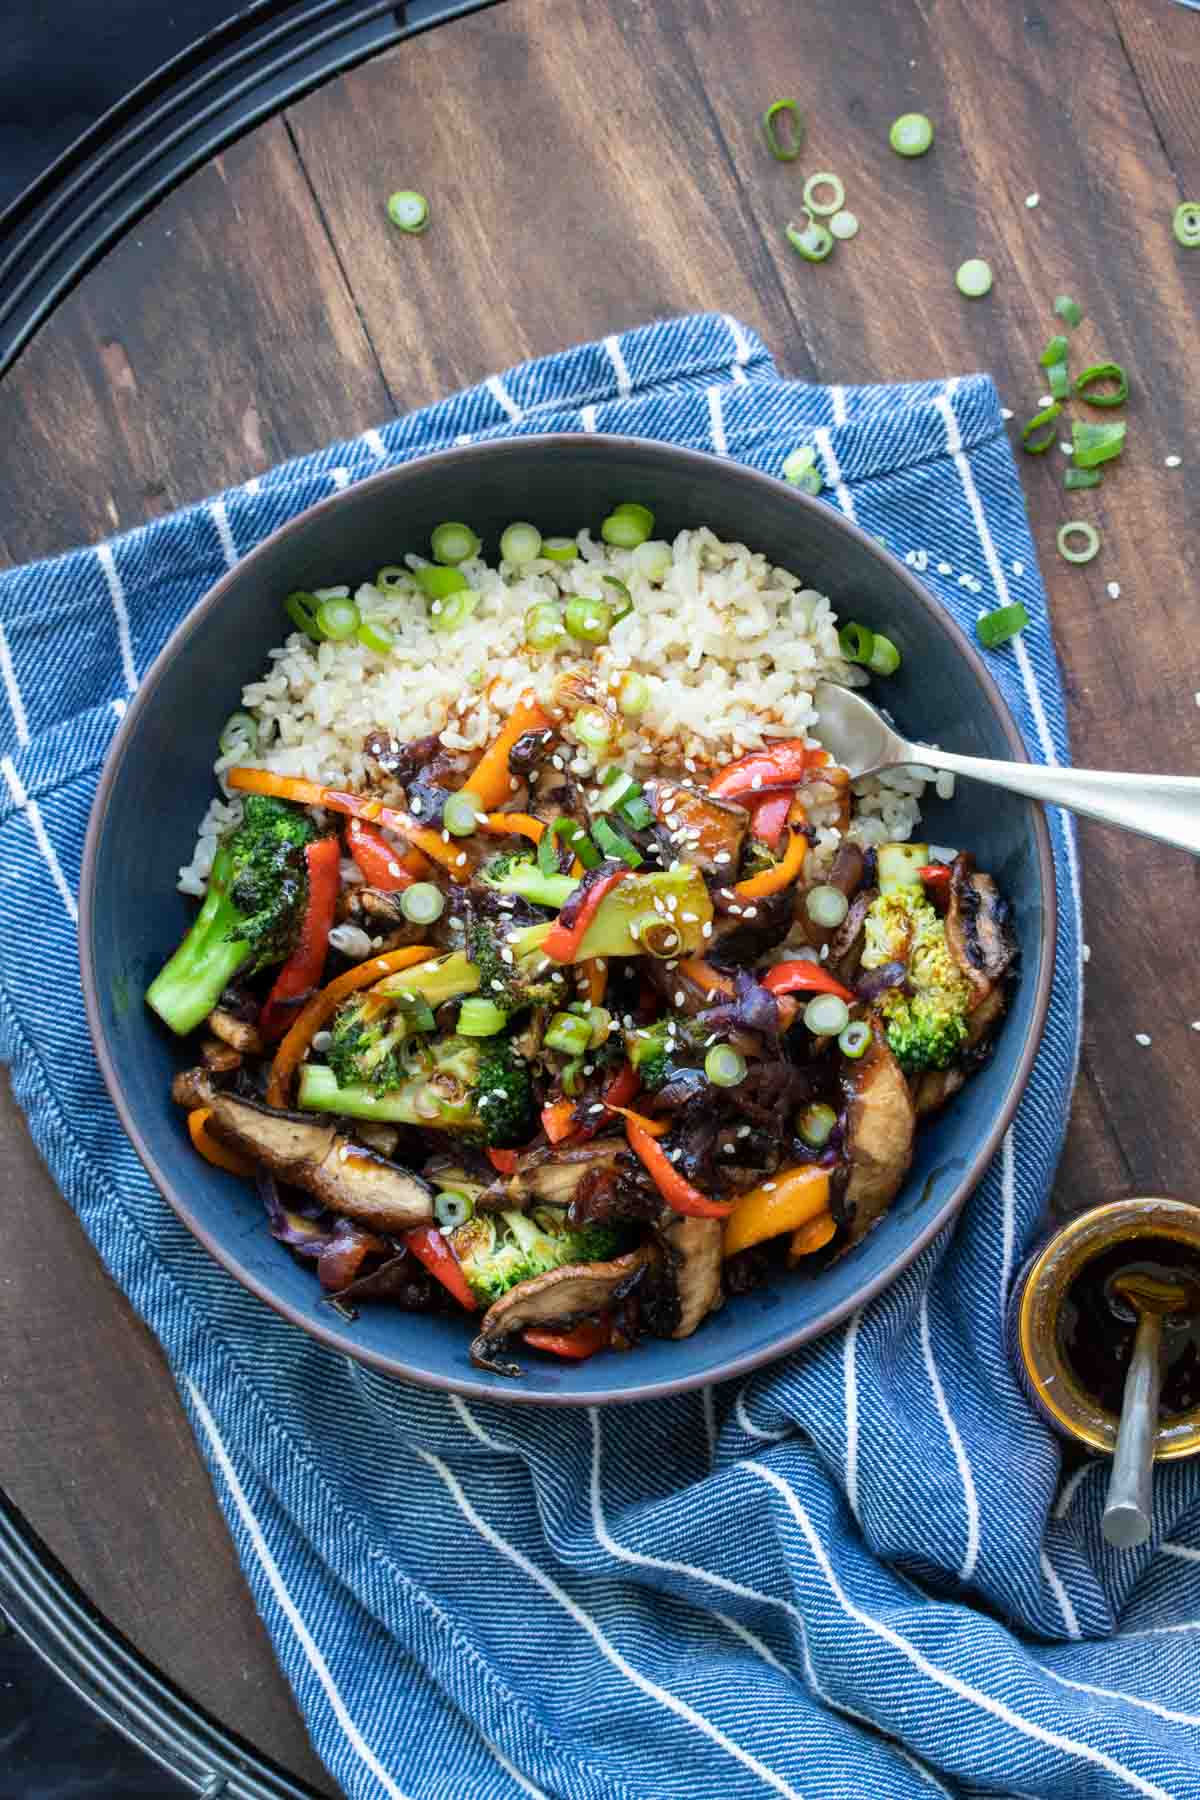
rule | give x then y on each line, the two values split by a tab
591	164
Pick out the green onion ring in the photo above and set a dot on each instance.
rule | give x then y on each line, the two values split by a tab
884	658
393	580
844	225
452	1208
624	606
520	543
302	610
856	642
973	278
240	733
816	1124
409	211
1186	224
460	815
853	1042
453	543
422	903
911	134
1034	446
779	109
814	243
588	621
1103	372
1078	528
480	1017
725	1066
824	208
338	618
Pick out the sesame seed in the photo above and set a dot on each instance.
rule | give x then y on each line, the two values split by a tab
824	952
680	997
601	964
1046	400
1067	449
674	1155
445	837
1031	200
506	956
460	859
1113	590
589	1068
1196	1024
945	568
556	762
751	912
598	1107
1006	412
481	818
690	918
1018	568
736	911
722	856
395	870
497	985
415	806
1086	952
706	929
1172	462
769	1187
674	964
743	1131
728	1149
436	607
1143	1038
513	784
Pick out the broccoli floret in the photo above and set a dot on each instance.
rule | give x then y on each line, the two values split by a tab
373	1040
513	974
497	1250
257	895
478	1087
657	1051
520	875
926	1027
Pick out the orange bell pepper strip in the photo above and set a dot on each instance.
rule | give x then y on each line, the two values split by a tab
784	872
302	970
792	1199
596	972
803	977
654	1128
562	941
379	863
431	1248
778	765
678	1193
558	1120
503	1161
520	824
713	981
490	778
322	1007
211	1148
810	1238
581	1342
354	806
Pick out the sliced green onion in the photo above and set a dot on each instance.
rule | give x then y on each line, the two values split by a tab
437	583
626	528
725	1066
911	134
784	149
619	782
652	560
575	839
633	694
811	482
478	1017
1060	380
974	278
826	1015
572	1076
453	543
418	1016
422	903
450	1208
1055	352
1097	443
1078	528
1103	372
302	610
996	628
656	934
1069	311
623	605
635	812
239	732
408	210
560	549
599	1025
854	1040
844	225
589	621
884	658
569	1033
816	1124
1083	478
823	208
826	906
393	580
592	727
453	611
615	843
544	628
460	815
520	543
1043	422
338	618
813	243
856	642
634	509
798	463
375	635
1186	224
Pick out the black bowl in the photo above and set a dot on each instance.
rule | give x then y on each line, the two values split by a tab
160	768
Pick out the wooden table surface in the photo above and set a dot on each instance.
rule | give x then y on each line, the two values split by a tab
593	164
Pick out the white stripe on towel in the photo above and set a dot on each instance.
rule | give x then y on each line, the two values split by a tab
587	417
741	343
1184	1551
49	854
749	1427
1008	1210
710	1422
15	703
716	421
616	357
116	594
1163	1712
1063	1504
850	1384
1060	1593
503	398
220	519
971	1555
317	1663
998	1709
833	470
838	396
374	442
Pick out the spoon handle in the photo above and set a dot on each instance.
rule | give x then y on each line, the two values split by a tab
1157	806
1126	1520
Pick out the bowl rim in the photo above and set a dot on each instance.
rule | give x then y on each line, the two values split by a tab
468	1384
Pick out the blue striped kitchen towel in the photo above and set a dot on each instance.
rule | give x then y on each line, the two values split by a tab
854	1572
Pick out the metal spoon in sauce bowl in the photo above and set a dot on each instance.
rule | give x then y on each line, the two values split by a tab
1155	1304
1158	806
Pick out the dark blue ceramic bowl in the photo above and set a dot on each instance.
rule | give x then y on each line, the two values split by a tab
160	769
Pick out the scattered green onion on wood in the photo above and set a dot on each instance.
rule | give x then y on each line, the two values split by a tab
1109	371
588	621
560	549
520	543
785	147
833	202
853	1042
1043	422
911	134
461	813
996	628
453	543
974	278
422	903
814	242
1097	443
816	1124
409	211
544	627
338	618
725	1066
1055	352
1059	377
1082	478
1069	311
844	224
1186	224
1078	528
478	1017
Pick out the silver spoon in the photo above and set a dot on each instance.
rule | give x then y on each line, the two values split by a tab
1157	806
1135	1294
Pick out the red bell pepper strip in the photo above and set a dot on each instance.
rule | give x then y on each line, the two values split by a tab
563	941
379	864
779	765
430	1247
578	1344
803	978
768	817
936	879
620	1091
503	1161
678	1193
301	973
558	1120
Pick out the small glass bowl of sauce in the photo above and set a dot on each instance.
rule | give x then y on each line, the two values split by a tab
1073	1348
